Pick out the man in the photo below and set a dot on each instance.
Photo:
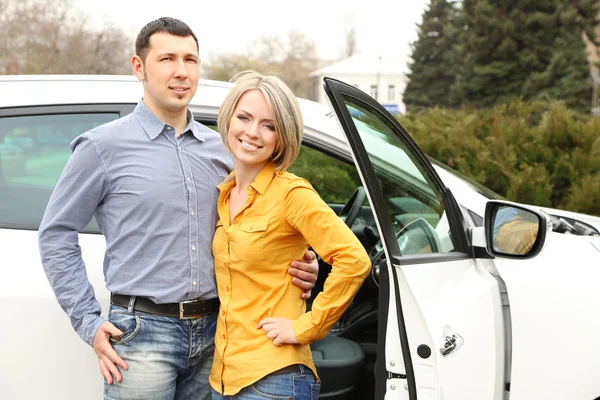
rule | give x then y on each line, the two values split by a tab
150	179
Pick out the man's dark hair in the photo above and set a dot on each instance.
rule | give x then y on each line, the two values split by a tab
168	25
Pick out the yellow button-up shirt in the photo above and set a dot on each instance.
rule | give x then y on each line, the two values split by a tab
281	218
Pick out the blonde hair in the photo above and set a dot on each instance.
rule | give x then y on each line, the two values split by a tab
287	117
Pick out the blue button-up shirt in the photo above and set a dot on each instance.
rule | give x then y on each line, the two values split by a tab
154	197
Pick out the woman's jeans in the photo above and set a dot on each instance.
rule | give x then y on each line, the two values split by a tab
168	358
299	385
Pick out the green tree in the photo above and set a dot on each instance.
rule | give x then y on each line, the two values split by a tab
334	180
532	49
497	50
432	71
540	152
566	73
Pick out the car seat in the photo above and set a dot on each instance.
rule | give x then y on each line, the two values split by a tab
339	362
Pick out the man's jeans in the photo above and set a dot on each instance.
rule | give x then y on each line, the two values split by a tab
297	385
168	358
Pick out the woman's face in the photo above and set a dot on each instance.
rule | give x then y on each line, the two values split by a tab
252	137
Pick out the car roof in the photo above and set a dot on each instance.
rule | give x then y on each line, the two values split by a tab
39	90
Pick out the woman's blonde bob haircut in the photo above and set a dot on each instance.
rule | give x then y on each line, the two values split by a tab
287	117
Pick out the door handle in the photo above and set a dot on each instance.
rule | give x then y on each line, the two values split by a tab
450	341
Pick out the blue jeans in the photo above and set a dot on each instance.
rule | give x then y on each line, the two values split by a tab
300	385
168	358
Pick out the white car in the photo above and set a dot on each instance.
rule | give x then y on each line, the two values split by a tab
450	311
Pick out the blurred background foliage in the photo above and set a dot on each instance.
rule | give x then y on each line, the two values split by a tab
539	153
334	180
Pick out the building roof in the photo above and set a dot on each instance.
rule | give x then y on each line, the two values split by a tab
360	64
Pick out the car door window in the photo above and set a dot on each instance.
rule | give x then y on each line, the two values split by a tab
333	179
416	208
33	152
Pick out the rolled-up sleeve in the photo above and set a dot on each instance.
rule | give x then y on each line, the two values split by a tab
338	246
81	187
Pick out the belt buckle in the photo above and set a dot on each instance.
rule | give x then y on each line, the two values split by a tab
181	304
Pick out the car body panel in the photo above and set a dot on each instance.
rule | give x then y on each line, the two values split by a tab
554	306
474	196
447	299
42	356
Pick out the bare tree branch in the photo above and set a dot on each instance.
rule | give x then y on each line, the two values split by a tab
292	57
50	36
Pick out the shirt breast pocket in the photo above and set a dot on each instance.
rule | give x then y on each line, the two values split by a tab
218	243
251	240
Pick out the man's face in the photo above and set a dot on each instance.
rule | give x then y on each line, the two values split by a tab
170	72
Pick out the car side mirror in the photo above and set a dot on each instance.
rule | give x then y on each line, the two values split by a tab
514	231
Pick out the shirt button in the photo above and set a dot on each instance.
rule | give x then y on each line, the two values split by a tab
179	148
194	283
223	313
192	212
187	179
169	128
227	288
223	336
250	188
194	247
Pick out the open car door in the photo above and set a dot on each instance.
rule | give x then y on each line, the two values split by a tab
440	325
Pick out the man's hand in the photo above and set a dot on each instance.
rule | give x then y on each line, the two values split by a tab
279	330
305	273
107	356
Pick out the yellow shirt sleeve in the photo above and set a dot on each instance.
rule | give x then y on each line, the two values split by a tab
338	246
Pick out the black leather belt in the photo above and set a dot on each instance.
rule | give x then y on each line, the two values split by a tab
290	369
183	310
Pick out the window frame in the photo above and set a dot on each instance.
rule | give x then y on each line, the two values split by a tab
391	92
374	91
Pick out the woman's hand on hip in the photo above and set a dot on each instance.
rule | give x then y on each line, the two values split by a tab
279	330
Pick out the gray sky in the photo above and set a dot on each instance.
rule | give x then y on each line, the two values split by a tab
227	26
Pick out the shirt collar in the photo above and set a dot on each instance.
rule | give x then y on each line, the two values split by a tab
264	177
153	126
261	182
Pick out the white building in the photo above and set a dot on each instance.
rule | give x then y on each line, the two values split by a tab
381	77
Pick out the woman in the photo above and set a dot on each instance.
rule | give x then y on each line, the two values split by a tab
268	216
